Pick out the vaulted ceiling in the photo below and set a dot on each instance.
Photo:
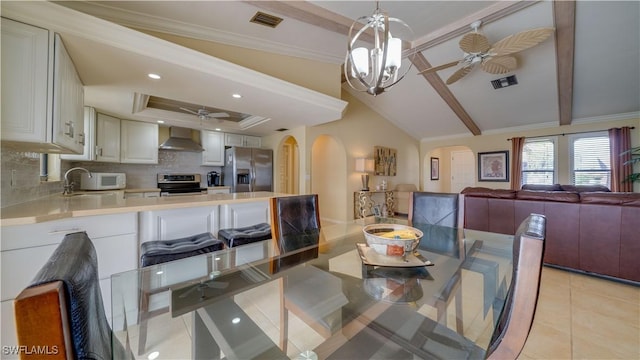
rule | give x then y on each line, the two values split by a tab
588	71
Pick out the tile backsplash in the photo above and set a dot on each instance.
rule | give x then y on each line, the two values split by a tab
20	173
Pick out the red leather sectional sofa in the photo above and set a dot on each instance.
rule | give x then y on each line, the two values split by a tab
591	231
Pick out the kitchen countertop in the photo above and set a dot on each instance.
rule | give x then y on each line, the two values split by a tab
113	202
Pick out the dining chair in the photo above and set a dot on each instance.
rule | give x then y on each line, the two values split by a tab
399	332
310	293
61	311
436	214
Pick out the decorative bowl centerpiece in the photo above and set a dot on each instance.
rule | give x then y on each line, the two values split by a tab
392	239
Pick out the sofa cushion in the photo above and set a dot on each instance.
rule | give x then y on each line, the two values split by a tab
554	187
611	198
490	193
562	196
585	188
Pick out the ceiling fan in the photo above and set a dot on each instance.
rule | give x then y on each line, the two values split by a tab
496	59
204	114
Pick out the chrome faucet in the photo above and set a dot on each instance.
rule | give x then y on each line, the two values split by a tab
68	186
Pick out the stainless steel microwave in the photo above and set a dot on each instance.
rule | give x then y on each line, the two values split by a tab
103	181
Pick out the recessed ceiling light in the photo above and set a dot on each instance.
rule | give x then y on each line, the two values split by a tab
237	96
218	129
154	76
160	121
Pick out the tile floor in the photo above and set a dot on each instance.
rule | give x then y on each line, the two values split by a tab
578	317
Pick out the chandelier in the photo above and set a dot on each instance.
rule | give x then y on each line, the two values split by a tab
375	68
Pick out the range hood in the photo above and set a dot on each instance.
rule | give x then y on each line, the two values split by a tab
180	140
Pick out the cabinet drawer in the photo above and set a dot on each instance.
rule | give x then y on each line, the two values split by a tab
19	267
52	232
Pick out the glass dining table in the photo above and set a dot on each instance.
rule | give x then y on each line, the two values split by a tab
336	300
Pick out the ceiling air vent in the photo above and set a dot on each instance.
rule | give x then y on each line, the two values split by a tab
266	19
504	82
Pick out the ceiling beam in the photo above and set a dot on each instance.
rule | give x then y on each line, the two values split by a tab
421	63
564	17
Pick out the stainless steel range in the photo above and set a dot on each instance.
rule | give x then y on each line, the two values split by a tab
180	184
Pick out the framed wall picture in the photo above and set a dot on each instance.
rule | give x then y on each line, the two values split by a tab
384	161
493	166
435	168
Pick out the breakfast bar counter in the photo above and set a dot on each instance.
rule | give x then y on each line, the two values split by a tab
113	202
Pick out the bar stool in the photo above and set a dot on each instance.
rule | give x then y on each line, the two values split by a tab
162	251
245	235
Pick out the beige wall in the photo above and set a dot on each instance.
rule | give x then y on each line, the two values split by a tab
356	133
497	142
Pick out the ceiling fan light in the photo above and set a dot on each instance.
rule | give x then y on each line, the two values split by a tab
360	62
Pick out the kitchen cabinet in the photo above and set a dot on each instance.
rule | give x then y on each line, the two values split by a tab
213	144
125	141
177	223
107	138
26	248
43	110
236	215
88	153
138	142
242	140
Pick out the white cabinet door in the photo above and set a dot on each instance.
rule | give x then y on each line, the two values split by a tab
68	101
88	153
25	77
244	214
213	144
139	142
107	138
252	141
177	223
233	140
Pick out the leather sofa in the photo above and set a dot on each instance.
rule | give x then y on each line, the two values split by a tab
597	232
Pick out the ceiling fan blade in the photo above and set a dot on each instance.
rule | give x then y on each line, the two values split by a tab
520	41
473	43
439	67
218	115
459	74
189	110
500	64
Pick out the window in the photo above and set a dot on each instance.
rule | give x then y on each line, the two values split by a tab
589	157
539	161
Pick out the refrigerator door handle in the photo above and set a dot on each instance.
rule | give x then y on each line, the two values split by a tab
252	174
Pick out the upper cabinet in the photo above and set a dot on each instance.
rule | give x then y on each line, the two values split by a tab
107	138
42	97
88	152
138	142
242	140
213	144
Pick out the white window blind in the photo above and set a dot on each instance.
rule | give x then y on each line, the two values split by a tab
590	162
539	161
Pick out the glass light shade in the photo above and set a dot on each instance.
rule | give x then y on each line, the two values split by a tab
360	61
394	55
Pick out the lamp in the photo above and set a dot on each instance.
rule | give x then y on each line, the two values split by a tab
363	67
364	166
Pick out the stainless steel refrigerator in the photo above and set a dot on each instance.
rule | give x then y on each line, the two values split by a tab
248	169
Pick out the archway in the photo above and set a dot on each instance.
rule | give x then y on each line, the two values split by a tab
329	178
288	172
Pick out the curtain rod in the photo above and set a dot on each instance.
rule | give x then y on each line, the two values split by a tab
563	134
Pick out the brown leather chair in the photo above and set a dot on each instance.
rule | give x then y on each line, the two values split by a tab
306	291
61	312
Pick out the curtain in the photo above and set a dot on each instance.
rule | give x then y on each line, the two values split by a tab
517	143
620	141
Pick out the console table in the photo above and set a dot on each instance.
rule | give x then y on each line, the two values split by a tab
364	202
